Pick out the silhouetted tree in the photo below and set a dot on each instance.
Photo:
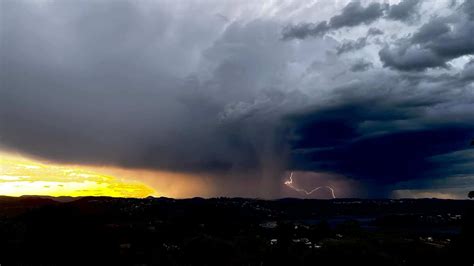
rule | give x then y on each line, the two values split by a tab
471	194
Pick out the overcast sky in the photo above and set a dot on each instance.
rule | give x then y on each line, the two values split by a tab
375	97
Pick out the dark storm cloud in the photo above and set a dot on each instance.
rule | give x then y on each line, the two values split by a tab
354	45
354	14
361	158
349	46
433	45
431	30
102	91
403	11
410	58
112	83
303	30
364	135
145	85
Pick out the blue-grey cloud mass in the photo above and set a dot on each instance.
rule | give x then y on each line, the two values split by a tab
357	89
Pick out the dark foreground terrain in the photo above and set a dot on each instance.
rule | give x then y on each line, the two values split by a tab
234	231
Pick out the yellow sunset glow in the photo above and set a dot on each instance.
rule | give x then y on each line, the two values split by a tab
24	176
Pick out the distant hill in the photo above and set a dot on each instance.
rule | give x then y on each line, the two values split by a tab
58	199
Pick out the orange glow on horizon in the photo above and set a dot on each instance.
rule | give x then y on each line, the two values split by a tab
165	183
23	176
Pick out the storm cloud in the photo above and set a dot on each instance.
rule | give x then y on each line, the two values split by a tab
437	42
352	15
153	86
404	10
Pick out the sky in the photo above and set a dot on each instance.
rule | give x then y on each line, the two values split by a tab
227	98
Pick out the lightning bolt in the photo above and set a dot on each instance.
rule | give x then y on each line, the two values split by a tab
289	183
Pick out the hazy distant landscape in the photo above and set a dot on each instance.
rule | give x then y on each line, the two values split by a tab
235	231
